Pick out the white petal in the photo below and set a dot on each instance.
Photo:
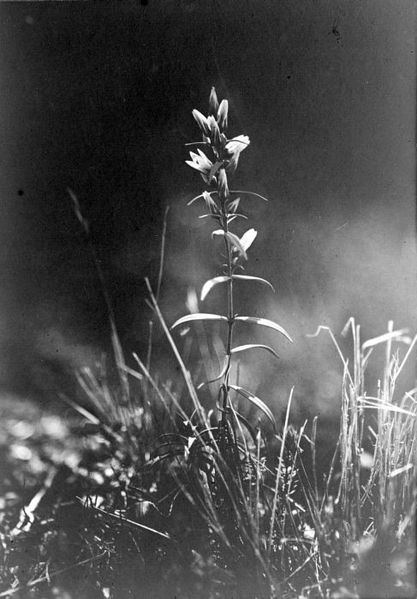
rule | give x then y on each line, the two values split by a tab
248	238
237	144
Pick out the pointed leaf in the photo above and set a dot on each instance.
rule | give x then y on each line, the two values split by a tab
200	196
256	402
241	348
234	205
208	286
217	378
200	316
210	203
215	216
248	426
251	278
265	323
236	215
77	210
251	193
383	338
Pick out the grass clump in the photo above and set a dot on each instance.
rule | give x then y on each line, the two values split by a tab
167	495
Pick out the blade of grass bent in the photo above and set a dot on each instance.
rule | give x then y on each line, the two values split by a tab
187	377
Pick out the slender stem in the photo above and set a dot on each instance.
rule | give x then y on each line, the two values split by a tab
230	306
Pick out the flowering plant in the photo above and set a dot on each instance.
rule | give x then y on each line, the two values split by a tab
218	161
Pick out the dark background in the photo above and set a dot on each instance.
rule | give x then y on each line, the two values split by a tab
98	97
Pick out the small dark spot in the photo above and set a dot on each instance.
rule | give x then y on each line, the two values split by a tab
144	2
335	31
20	192
288	76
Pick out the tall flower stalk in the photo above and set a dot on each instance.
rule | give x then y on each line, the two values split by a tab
216	159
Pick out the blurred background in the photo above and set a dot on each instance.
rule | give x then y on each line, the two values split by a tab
97	97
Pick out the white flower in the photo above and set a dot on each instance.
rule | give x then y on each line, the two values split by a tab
200	163
237	144
233	149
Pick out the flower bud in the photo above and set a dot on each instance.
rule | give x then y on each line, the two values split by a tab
222	186
213	102
201	122
222	114
215	131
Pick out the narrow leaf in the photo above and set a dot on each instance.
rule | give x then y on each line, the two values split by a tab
211	215
200	316
236	215
121	518
208	286
77	211
217	378
234	205
256	402
247	425
132	372
398	471
251	278
382	338
375	402
265	323
210	203
200	196
251	193
241	348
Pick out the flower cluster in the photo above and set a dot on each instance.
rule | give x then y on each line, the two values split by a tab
225	152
